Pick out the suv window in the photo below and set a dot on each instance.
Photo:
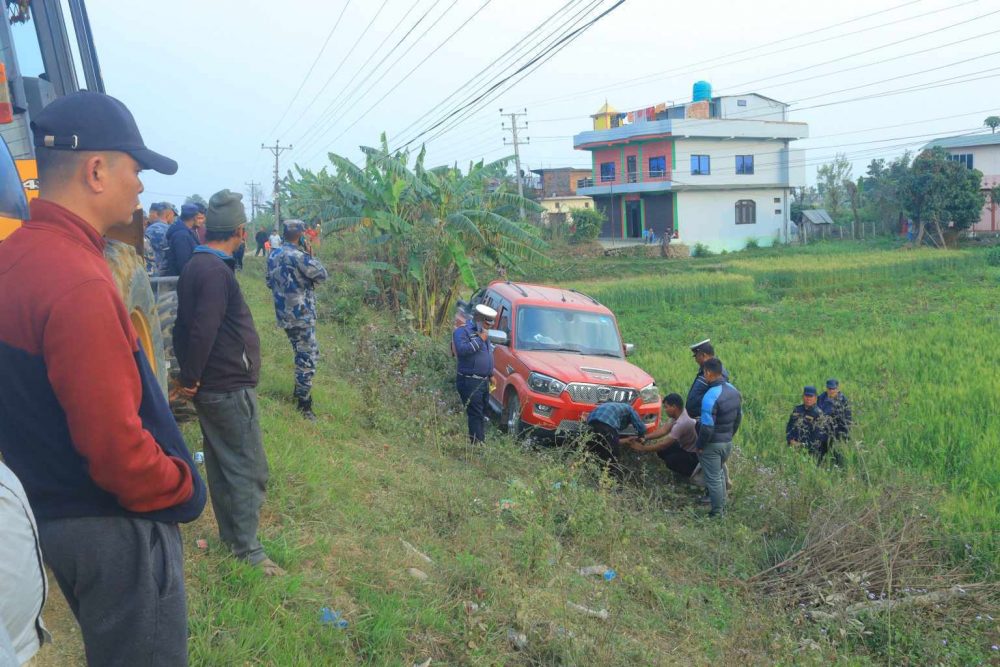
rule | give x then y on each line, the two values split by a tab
565	330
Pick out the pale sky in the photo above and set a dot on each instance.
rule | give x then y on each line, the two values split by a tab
209	81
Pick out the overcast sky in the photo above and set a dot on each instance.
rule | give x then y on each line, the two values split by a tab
209	81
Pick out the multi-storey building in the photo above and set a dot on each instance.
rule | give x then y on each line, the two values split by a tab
716	170
980	152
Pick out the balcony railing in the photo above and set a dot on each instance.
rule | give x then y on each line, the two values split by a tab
632	177
658	173
585	183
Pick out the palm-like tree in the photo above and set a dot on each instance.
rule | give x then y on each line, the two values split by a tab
992	122
428	228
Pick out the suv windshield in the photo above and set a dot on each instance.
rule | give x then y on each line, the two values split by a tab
564	330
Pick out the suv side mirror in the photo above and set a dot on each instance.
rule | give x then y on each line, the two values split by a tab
629	349
497	337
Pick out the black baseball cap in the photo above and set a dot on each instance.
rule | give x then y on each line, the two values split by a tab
88	121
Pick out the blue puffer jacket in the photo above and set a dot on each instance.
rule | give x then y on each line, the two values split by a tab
721	414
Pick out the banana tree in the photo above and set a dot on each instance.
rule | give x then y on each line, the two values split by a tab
427	229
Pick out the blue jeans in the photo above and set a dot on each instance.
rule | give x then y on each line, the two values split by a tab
475	395
712	459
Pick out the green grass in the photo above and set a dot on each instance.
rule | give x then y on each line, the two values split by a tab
388	461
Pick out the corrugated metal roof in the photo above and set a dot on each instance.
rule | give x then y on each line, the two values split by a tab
817	216
966	141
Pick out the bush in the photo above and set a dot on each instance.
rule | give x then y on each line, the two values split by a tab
587	223
993	257
701	250
752	244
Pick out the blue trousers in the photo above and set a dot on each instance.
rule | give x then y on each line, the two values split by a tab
475	395
712	459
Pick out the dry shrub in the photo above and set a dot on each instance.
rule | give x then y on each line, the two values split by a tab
858	557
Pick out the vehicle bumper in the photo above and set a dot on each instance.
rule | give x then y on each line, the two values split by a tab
553	415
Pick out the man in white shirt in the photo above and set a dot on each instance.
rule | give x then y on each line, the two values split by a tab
23	586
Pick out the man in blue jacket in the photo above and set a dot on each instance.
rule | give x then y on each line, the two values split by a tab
475	368
721	414
182	240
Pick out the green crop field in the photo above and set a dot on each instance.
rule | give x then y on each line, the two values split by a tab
891	560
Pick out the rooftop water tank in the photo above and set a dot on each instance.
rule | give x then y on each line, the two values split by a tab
702	91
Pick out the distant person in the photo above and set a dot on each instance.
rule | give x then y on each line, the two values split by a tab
470	343
673	441
261	239
23	586
721	416
292	276
219	354
312	233
182	240
275	240
606	423
701	352
199	221
156	235
83	423
835	405
168	213
808	427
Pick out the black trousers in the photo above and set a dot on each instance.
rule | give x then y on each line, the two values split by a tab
475	395
679	460
260	250
605	444
124	581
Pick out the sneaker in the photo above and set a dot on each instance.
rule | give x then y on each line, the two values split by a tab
271	569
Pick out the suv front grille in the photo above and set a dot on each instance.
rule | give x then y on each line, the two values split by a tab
592	394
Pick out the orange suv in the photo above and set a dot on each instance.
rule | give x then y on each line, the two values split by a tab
557	354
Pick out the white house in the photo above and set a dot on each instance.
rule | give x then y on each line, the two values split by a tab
716	171
980	152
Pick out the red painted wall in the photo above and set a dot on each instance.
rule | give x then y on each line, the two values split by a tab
613	154
654	149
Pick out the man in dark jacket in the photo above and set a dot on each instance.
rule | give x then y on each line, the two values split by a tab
835	405
83	422
721	415
261	238
181	240
808	427
701	352
219	353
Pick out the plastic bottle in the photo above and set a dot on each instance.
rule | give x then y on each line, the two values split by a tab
199	457
592	570
609	574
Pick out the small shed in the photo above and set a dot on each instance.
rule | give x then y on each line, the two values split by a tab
816	223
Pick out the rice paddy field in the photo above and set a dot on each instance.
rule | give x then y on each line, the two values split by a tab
909	334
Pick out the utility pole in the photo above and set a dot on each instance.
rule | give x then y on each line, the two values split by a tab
254	197
517	143
277	149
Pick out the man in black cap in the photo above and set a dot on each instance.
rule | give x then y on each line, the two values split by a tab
701	352
88	431
807	427
837	409
219	353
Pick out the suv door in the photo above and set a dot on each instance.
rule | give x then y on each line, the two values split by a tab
502	356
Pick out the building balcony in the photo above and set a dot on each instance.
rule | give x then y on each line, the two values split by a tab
619	188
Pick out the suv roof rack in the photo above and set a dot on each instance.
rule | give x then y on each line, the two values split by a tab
586	296
518	288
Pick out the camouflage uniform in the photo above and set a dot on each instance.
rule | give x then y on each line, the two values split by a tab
292	276
156	235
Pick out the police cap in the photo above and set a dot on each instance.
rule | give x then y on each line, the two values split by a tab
704	346
295	226
809	390
832	383
89	121
485	312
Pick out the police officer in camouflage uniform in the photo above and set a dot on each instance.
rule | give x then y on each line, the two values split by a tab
292	275
156	241
807	427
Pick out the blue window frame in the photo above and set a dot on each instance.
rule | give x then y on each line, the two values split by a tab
701	165
607	171
657	166
744	164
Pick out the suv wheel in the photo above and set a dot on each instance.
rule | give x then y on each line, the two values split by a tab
512	414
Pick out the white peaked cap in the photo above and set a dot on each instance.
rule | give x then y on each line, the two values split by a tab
486	311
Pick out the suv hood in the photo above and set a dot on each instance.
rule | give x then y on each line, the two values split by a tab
568	367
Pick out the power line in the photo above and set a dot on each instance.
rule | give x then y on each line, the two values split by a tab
341	98
414	69
517	46
339	65
311	67
527	68
741	55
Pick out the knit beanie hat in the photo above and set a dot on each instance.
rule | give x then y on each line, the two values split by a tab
225	212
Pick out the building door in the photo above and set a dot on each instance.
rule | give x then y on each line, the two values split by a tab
633	219
630	168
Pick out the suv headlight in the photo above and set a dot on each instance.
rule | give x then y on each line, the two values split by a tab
649	394
544	384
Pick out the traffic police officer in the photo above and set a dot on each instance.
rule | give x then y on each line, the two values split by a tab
701	352
808	427
471	345
293	275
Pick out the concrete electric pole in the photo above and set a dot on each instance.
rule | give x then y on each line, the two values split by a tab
277	149
254	198
517	143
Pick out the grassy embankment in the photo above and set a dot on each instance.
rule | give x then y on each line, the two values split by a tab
387	462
